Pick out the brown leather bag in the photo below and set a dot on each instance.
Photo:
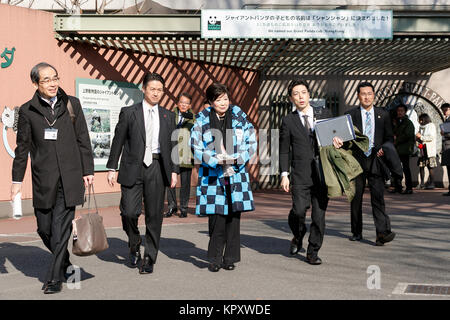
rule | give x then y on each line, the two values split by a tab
89	236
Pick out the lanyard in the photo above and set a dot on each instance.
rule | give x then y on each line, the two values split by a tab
48	122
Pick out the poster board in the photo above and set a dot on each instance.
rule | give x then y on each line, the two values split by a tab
101	101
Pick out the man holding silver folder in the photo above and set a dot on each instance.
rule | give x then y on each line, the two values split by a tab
306	184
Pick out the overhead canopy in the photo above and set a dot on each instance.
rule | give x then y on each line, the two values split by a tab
421	44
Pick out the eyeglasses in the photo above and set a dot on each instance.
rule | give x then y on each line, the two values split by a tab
47	81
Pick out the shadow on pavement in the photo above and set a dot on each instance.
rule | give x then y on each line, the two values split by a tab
117	252
32	261
184	250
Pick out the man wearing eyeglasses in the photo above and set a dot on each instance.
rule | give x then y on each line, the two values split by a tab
143	137
62	164
184	120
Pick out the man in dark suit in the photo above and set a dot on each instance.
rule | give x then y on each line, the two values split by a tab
308	188
61	159
375	123
143	137
446	144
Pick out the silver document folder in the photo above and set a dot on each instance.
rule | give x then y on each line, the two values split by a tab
327	129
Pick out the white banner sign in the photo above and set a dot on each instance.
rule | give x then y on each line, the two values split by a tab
314	24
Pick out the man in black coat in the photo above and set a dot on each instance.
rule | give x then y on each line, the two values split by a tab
307	186
446	144
143	137
376	124
62	164
184	120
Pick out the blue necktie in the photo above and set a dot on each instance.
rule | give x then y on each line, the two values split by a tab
368	131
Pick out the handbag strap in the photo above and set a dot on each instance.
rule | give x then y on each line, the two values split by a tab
71	113
91	186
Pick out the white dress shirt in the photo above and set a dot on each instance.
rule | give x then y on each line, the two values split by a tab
51	102
155	135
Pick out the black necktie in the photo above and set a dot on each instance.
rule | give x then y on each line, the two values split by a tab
180	121
310	132
306	122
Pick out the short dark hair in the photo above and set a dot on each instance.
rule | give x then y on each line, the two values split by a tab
402	105
185	94
34	74
152	76
363	85
425	117
297	82
216	90
445	106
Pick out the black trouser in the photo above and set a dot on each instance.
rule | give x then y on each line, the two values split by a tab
55	228
406	172
448	177
303	198
149	186
185	191
224	233
376	185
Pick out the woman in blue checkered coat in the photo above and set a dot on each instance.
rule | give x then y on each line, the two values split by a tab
223	140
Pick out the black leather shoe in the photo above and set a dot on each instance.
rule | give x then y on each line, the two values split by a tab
355	237
384	238
147	266
213	267
295	246
170	213
229	266
314	260
407	191
183	214
44	285
135	259
53	287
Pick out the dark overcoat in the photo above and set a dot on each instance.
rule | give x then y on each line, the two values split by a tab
69	157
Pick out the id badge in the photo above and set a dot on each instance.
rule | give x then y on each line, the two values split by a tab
50	134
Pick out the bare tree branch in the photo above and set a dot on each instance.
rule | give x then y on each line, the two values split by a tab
63	5
138	9
101	10
14	3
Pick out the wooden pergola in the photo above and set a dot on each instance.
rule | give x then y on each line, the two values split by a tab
420	45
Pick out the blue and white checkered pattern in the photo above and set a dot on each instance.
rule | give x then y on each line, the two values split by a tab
211	198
